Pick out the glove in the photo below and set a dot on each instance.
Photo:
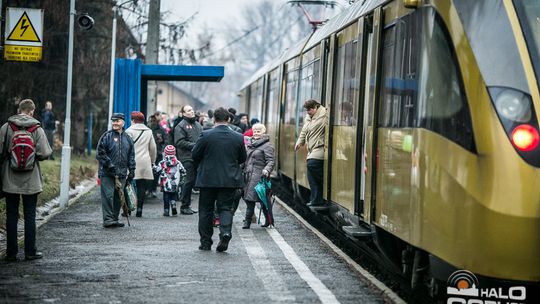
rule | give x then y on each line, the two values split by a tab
265	172
111	169
130	178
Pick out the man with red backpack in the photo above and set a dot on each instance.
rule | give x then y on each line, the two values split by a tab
24	143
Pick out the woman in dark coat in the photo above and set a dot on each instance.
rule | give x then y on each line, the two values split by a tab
259	163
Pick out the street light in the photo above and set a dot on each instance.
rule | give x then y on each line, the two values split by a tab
87	22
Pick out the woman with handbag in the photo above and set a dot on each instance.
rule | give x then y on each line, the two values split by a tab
145	156
259	164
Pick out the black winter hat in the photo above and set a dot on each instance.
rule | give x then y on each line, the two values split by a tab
116	116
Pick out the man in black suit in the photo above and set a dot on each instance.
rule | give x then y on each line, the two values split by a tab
219	153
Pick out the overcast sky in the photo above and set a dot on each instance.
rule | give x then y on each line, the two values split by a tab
210	12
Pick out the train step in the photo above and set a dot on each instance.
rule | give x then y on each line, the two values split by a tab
358	232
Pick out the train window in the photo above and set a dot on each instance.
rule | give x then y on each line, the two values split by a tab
290	100
399	64
493	43
442	105
346	90
273	94
528	12
309	85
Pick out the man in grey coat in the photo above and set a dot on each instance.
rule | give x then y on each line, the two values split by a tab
26	184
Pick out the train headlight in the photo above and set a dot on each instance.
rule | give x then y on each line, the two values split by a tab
512	104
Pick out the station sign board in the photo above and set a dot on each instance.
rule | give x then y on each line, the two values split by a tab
23	34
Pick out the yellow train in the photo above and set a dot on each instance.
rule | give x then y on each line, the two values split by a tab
432	147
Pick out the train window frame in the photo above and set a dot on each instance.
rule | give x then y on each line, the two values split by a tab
432	67
532	38
291	77
458	126
491	38
398	92
346	84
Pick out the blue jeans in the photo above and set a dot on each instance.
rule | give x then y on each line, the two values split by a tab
12	217
167	198
315	175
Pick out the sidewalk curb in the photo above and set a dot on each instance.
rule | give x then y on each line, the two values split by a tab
50	209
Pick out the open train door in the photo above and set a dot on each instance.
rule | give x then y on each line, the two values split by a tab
369	156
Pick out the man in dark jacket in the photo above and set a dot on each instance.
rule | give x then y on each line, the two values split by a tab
219	153
49	124
116	156
185	136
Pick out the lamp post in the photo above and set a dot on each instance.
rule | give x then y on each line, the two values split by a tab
113	54
66	148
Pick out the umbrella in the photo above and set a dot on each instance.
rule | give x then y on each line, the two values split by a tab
264	191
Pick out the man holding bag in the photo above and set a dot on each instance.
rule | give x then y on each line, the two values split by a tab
116	156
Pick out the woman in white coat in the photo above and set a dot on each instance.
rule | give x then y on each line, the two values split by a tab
145	156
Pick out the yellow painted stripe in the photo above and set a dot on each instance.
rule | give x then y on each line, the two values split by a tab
523	52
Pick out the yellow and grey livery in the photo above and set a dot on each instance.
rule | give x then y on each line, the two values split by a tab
432	142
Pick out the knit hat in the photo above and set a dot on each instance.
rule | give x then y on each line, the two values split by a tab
169	150
137	117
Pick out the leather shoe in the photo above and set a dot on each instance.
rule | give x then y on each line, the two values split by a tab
187	210
10	258
35	256
205	247
223	243
119	224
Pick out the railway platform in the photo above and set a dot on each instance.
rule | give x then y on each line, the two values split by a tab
157	260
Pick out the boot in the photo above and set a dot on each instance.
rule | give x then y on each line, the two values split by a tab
173	208
247	223
139	212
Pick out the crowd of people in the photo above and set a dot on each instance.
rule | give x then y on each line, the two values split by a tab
219	153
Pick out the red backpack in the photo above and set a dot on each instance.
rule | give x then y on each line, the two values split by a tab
22	151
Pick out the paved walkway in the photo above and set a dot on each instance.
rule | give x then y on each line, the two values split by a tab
157	260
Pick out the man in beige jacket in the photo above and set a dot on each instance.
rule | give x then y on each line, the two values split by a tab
313	136
145	156
25	181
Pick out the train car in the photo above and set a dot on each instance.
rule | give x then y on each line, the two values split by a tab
432	148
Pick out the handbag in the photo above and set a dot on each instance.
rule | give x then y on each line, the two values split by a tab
131	197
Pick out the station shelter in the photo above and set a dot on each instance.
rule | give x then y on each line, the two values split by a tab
132	76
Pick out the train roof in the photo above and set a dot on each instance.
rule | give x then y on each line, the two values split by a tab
338	22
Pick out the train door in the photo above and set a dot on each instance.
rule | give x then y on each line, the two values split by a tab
369	156
288	124
309	88
272	111
344	120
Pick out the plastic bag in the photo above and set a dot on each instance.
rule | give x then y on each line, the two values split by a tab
131	197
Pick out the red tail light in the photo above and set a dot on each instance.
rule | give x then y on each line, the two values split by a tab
525	137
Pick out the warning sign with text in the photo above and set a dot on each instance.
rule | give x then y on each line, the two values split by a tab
24	34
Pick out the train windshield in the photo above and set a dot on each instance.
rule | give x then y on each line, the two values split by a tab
529	16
